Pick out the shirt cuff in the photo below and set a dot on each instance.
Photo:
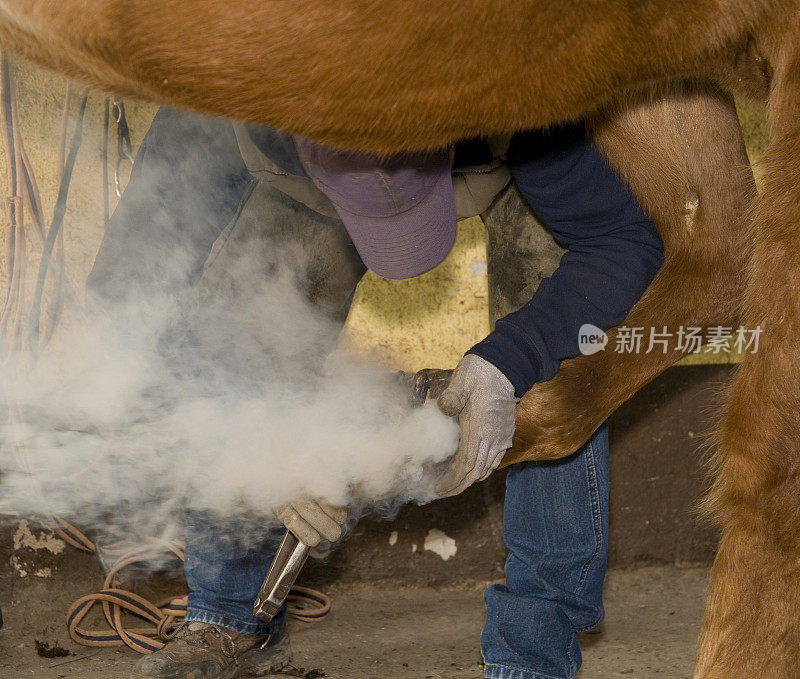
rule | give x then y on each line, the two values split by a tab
522	366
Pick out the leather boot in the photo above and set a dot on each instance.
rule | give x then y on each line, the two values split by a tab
198	650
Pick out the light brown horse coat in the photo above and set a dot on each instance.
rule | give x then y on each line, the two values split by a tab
395	74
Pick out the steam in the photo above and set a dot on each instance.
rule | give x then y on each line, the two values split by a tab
114	419
152	407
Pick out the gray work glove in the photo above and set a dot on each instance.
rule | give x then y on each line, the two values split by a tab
311	521
483	398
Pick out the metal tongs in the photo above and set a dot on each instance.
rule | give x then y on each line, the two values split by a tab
292	553
283	572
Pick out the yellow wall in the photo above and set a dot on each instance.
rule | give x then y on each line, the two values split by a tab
426	322
429	321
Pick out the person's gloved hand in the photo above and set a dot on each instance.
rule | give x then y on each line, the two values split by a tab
311	521
483	398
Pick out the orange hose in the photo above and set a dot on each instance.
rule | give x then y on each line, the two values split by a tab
303	603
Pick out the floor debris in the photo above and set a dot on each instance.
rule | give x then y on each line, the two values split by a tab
44	650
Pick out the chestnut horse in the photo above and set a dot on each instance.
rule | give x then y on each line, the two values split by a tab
654	78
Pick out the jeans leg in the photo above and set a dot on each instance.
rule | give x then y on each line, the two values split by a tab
223	574
556	529
224	571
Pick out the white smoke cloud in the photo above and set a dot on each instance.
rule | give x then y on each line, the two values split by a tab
219	398
116	427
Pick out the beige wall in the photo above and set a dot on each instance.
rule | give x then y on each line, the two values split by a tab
426	322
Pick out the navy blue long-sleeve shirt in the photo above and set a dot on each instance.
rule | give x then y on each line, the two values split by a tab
614	251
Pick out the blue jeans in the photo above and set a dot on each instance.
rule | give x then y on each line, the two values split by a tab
556	529
224	573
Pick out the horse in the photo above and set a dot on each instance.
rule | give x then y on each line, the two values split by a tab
654	80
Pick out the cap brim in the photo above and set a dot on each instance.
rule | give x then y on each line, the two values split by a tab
410	243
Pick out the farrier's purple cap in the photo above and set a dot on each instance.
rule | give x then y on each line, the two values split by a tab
399	211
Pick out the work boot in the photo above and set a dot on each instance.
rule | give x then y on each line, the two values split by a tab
197	650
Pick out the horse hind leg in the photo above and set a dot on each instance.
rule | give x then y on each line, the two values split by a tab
751	626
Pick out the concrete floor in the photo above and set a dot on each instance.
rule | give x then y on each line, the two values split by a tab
383	632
